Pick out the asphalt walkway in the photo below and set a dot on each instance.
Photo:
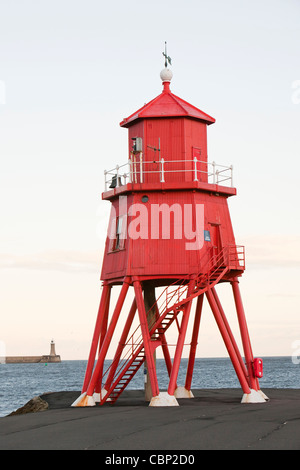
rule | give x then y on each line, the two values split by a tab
213	420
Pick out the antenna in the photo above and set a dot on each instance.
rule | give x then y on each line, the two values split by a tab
167	58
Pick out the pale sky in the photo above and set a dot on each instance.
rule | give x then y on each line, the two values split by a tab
70	71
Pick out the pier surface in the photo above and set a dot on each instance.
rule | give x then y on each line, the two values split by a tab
213	420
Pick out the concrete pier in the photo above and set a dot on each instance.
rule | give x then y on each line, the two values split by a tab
52	357
213	420
31	359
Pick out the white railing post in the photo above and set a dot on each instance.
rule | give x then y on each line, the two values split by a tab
214	172
195	169
130	170
141	167
162	176
231	168
105	182
217	174
117	182
134	168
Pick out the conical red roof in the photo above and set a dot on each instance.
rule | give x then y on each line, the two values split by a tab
167	105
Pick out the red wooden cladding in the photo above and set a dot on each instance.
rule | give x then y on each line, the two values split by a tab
156	235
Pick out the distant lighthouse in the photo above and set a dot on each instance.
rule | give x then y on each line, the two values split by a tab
53	357
52	348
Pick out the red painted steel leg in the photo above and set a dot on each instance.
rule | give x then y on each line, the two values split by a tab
104	303
228	343
120	346
146	337
244	333
103	334
194	342
166	354
229	332
180	343
108	337
165	347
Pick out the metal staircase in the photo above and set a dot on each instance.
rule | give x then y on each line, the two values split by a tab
169	304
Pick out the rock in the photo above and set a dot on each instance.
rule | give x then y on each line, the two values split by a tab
33	406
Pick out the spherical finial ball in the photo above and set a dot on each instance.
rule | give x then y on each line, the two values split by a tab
166	75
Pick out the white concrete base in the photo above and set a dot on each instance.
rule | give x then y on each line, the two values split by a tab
164	399
182	392
253	397
99	396
84	400
263	395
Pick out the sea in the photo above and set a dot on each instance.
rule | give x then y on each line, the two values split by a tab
21	382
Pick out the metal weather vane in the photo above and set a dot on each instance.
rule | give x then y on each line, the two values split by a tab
167	58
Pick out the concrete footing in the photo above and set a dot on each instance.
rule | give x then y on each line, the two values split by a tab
84	400
254	397
164	399
182	392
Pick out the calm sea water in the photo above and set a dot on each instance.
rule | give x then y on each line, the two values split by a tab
21	382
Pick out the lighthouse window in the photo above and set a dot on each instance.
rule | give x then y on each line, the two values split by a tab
207	235
145	199
119	239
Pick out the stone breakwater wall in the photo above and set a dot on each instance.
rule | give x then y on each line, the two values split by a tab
30	359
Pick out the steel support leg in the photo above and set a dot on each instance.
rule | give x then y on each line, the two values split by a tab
103	307
166	353
120	347
180	342
244	333
150	308
230	333
227	340
194	342
103	334
146	337
108	337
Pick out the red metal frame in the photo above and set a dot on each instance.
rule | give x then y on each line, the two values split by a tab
194	342
102	312
180	342
179	129
174	299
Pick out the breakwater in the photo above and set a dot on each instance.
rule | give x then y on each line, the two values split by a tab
31	359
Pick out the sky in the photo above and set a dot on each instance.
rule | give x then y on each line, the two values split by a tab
70	71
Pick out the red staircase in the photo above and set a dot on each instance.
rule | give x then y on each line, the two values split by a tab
169	304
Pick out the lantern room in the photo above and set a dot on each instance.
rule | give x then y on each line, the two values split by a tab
168	135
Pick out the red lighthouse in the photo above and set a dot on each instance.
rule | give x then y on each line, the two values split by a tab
170	242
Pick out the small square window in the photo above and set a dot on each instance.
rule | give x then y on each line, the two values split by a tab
117	240
207	235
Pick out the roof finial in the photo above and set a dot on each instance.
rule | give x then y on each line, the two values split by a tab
166	74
